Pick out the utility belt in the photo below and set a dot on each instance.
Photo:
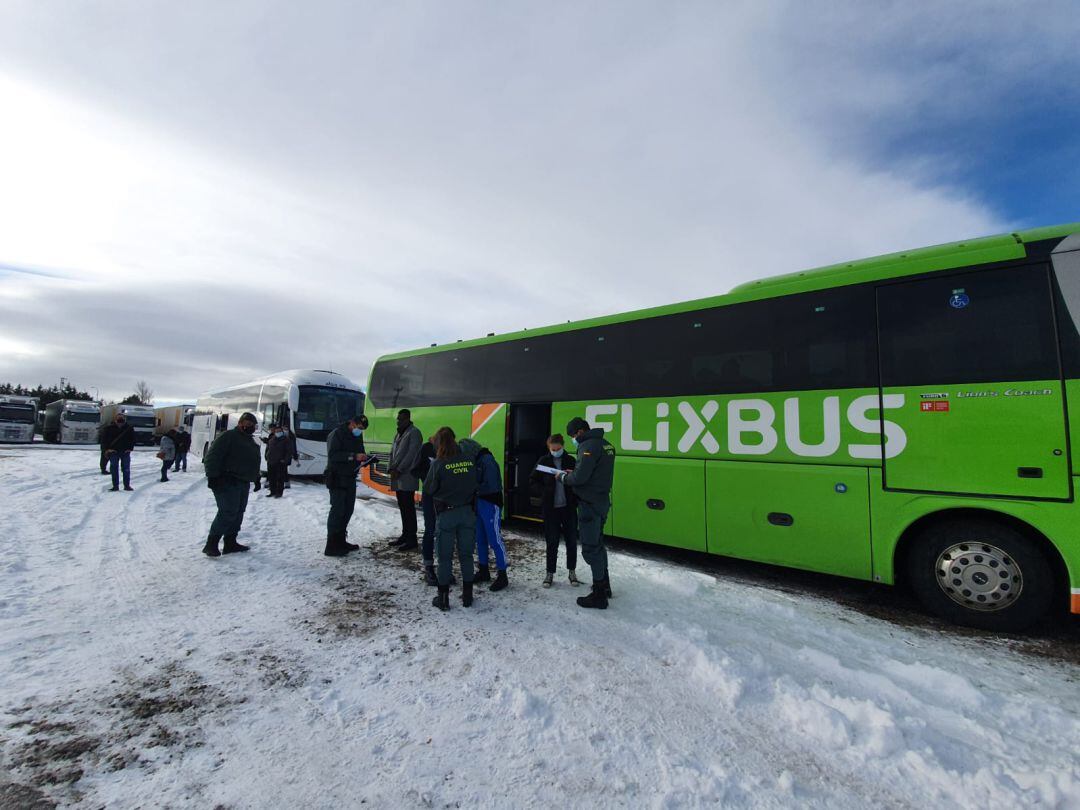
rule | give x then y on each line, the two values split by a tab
443	506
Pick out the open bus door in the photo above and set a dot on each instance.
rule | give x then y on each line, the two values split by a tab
527	429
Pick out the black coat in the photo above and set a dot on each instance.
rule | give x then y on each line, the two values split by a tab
278	451
546	482
120	438
183	441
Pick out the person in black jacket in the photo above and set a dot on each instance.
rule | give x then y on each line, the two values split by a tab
231	464
183	444
117	442
344	455
557	505
278	453
452	482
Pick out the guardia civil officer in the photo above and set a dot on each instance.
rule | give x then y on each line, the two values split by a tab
231	465
344	454
591	479
452	483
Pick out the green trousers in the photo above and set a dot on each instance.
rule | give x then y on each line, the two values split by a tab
455	528
342	504
591	519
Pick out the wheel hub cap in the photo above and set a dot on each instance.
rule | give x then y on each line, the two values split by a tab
979	576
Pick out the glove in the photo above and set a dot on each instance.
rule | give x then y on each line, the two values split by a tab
258	485
213	483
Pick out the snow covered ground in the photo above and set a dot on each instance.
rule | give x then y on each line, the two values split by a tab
136	672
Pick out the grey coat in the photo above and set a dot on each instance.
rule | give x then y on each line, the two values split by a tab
404	456
168	448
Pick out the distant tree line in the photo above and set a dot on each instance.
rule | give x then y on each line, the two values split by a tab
143	395
45	395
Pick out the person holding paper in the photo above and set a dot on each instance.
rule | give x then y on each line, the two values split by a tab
557	504
591	479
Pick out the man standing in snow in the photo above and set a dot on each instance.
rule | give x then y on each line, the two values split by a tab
404	456
231	464
183	444
117	442
344	455
591	479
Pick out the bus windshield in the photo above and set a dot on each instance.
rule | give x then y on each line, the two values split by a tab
322	409
139	421
17	413
80	416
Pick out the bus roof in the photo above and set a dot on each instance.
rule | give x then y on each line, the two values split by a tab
877	268
296	376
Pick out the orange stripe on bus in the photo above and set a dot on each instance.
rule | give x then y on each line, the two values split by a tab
1076	602
481	413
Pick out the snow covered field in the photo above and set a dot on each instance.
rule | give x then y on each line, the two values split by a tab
134	671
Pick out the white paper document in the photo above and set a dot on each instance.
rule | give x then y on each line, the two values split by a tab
549	470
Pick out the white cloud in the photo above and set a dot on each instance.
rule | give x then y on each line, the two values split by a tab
254	187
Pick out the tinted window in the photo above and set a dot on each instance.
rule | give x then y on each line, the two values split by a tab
801	342
1067	299
986	326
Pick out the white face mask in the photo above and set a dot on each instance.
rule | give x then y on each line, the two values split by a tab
558	453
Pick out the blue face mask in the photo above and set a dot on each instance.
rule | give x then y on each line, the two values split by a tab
357	432
279	434
558	453
574	440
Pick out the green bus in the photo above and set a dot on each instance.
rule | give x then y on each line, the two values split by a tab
906	418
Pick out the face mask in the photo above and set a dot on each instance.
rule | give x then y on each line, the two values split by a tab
249	429
280	435
558	453
574	440
357	432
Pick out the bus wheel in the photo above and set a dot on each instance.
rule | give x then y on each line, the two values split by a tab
980	573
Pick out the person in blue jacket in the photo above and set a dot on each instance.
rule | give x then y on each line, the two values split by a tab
489	502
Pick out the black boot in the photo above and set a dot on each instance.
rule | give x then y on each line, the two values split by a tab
429	575
231	546
407	544
211	547
335	545
483	574
466	595
442	599
397	541
345	542
596	599
500	581
606	582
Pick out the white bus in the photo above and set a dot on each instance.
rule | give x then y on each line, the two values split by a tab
69	421
17	417
311	402
140	417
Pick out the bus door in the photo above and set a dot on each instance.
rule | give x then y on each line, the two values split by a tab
527	429
972	394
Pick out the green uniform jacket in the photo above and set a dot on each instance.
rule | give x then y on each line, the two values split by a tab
341	450
595	470
233	453
452	481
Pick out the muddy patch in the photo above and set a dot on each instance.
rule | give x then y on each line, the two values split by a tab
357	606
51	746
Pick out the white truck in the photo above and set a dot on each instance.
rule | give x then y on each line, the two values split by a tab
71	421
172	416
17	417
140	417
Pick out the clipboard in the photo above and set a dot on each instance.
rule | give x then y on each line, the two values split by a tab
549	470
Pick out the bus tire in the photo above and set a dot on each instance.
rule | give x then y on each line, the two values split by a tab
980	573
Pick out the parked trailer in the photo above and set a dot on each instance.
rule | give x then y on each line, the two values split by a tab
140	417
171	417
17	416
71	421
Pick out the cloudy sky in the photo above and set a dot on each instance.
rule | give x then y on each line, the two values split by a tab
196	193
